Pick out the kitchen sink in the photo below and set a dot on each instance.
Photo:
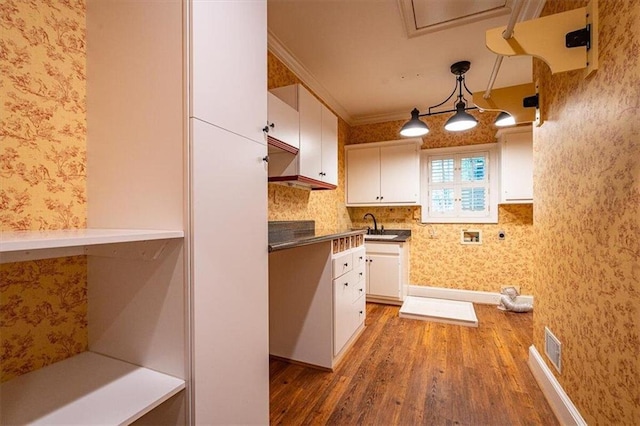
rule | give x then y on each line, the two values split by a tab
380	237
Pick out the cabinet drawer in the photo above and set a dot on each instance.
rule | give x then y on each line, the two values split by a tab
383	248
360	283
359	257
342	263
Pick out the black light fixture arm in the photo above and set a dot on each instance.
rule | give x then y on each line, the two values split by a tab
459	69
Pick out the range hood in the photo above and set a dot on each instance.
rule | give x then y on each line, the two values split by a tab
283	167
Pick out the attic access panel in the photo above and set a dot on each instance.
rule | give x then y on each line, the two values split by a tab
425	16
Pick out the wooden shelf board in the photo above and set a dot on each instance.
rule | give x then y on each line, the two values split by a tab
36	240
86	389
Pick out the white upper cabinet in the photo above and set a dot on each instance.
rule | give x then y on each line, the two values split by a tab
284	122
384	173
316	164
226	58
516	165
329	150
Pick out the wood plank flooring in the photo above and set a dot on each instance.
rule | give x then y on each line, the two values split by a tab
411	372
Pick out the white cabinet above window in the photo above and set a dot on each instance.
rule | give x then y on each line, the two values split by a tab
383	173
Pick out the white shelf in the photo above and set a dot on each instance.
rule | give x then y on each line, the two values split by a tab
86	389
37	240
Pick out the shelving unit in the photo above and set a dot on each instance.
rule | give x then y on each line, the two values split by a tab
86	389
34	240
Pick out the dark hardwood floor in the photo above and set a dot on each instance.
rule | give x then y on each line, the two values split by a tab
410	372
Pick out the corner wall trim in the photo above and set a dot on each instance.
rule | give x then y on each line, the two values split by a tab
560	403
482	297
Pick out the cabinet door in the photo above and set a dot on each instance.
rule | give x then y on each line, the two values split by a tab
229	70
285	121
383	276
310	155
517	168
329	146
229	270
342	307
363	176
400	174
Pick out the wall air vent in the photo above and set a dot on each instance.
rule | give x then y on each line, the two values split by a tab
553	349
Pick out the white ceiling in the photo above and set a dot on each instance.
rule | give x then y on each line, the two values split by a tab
371	63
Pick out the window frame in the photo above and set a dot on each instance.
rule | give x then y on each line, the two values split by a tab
491	185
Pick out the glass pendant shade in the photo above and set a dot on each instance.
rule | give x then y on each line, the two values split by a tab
414	127
461	120
504	119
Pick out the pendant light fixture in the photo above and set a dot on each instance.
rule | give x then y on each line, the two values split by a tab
504	119
461	120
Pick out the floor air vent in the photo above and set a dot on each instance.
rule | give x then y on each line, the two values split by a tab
553	348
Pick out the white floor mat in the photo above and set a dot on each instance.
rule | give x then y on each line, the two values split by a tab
439	310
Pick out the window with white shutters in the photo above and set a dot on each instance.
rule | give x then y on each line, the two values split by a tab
457	185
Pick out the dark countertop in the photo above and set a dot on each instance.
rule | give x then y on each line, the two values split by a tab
403	235
290	234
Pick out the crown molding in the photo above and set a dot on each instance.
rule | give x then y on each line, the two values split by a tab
276	47
380	118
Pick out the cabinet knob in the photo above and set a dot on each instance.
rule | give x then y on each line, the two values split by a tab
377	198
361	312
381	198
266	128
346	264
346	284
265	158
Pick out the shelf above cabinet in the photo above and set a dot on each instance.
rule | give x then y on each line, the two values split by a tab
86	389
29	245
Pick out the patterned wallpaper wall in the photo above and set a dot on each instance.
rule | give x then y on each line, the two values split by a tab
437	257
42	172
587	189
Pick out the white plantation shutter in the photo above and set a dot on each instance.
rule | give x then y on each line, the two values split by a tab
457	187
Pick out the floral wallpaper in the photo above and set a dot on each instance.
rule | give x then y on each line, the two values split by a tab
437	257
42	177
587	220
326	207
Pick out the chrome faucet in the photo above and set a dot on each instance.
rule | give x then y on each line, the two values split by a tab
375	223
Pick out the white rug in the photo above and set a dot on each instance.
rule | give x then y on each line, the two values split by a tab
439	310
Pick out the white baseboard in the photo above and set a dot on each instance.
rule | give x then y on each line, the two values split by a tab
560	403
483	297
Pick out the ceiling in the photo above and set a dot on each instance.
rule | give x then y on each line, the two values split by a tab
375	60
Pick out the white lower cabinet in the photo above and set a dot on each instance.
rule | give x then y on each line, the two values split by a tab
387	271
348	303
316	301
